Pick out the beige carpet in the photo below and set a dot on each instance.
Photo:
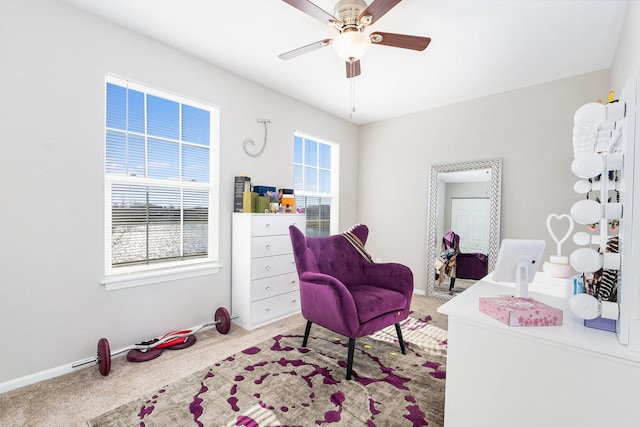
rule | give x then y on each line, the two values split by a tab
277	382
73	399
460	285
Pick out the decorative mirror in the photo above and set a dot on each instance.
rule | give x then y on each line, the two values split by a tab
461	172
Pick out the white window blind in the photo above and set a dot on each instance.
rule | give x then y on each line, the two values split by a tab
161	179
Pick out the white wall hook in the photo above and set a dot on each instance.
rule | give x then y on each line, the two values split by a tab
250	141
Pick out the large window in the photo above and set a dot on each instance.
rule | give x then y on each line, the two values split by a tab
315	181
161	180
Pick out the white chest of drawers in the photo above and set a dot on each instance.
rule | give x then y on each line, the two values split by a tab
265	284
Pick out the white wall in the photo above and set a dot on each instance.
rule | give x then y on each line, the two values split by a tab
626	62
54	58
530	129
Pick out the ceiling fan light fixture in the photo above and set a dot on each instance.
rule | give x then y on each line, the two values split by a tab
351	45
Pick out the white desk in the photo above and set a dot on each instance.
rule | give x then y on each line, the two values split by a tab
548	376
542	284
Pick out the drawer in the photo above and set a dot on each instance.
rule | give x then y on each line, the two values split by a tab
272	286
266	225
275	307
272	266
262	246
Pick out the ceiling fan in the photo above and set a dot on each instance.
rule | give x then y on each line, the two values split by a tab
350	19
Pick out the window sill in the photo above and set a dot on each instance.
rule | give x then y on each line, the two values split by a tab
130	280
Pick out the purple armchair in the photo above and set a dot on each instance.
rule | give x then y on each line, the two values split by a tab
466	265
343	291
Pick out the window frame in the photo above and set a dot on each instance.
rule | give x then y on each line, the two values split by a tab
334	195
143	274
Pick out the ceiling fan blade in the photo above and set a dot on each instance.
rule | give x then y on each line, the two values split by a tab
377	9
353	69
400	40
313	10
305	49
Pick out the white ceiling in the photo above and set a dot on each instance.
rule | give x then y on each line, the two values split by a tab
478	47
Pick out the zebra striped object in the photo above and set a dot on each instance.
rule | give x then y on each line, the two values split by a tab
609	280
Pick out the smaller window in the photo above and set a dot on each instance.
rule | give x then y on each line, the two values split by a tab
315	182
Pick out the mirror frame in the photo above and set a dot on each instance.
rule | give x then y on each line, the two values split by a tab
495	194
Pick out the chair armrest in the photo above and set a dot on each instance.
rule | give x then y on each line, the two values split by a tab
393	276
319	278
326	301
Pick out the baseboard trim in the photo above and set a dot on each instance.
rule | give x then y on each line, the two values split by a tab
66	369
35	378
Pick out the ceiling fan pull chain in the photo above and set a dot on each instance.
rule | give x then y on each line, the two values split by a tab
250	141
352	98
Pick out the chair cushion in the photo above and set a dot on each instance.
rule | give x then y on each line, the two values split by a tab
472	266
373	301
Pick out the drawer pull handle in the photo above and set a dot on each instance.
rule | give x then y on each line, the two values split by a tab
268	225
293	301
267	246
293	282
267	267
266	288
267	309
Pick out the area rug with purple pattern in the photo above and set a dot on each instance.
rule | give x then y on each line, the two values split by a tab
280	383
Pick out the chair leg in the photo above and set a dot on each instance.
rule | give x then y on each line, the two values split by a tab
453	281
400	339
352	346
306	333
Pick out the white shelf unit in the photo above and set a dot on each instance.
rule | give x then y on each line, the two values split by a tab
265	285
629	292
